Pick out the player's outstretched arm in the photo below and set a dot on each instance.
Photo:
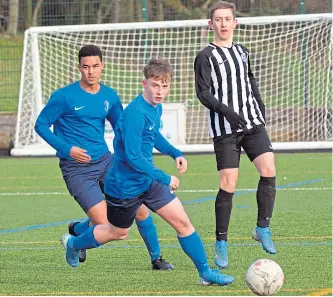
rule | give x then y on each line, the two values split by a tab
52	111
202	68
165	147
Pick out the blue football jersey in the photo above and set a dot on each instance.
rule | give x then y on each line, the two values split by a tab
78	119
136	134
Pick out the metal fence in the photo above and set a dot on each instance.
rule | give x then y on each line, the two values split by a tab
17	15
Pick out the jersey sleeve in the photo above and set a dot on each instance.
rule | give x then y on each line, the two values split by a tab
203	70
52	111
255	89
115	111
132	137
165	147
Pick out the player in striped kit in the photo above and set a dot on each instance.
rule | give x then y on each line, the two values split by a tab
226	86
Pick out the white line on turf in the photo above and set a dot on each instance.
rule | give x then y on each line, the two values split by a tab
179	191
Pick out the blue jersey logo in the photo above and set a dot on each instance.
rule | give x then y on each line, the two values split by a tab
106	105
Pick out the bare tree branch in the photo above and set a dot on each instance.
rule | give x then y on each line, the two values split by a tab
35	14
108	9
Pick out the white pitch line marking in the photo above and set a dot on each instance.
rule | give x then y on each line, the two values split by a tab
179	191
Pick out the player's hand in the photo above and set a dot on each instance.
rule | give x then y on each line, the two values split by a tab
174	184
79	155
235	120
181	163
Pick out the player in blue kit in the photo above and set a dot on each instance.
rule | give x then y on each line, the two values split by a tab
77	113
133	180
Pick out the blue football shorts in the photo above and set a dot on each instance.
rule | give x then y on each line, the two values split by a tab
122	212
83	180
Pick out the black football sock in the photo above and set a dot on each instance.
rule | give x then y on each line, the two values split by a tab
265	200
223	206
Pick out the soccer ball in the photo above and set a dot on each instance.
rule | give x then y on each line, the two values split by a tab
264	277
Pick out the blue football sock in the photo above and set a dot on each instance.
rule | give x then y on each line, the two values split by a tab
148	232
81	227
193	247
86	240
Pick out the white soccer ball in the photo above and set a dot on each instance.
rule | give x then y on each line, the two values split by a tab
264	277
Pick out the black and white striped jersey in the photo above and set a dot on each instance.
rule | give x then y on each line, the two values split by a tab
223	76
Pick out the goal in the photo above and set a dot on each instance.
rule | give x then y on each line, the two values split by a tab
291	57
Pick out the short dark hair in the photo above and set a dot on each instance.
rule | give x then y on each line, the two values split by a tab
90	50
158	67
222	5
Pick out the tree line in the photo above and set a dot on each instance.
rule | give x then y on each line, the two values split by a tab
18	15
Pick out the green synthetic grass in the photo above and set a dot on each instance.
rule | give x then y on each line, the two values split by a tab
32	261
11	49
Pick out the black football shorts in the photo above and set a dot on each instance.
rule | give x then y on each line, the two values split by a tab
254	142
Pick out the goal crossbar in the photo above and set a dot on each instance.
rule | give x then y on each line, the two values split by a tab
175	24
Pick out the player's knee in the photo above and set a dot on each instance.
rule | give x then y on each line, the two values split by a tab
142	213
268	170
122	233
183	227
228	184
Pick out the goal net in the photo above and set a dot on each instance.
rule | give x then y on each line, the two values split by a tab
291	57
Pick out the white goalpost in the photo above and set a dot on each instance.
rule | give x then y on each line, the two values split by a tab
291	57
